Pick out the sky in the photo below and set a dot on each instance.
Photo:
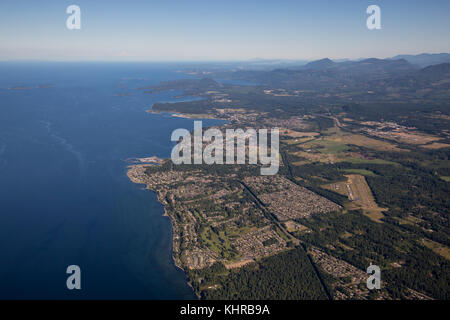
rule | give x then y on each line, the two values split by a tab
194	30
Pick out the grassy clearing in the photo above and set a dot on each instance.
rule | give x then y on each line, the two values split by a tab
409	220
335	145
281	234
343	246
293	226
338	136
375	214
437	247
218	243
297	140
372	161
345	235
237	232
297	134
325	146
436	145
363	172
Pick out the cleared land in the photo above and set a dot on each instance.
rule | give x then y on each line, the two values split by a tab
437	247
297	134
335	147
358	191
363	172
293	226
436	145
363	141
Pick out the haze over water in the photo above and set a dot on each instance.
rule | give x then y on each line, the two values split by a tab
64	195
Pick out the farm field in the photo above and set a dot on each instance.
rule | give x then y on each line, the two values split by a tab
336	146
363	141
436	145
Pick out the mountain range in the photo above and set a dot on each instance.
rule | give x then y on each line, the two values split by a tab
424	59
364	80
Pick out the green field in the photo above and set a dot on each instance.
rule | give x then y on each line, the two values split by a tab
218	243
326	146
371	161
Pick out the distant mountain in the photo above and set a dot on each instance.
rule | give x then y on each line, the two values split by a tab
319	64
366	80
436	72
326	74
425	59
375	68
434	78
371	65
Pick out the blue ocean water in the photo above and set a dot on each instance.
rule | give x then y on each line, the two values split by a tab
66	131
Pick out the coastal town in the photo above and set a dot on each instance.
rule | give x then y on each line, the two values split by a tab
232	216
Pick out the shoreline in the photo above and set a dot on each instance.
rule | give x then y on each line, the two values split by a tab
133	174
176	114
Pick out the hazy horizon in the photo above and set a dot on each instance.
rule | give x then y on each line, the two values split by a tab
255	60
201	31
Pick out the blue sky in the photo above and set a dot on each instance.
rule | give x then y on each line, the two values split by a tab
191	30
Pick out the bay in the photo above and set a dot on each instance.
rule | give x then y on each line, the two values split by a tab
66	132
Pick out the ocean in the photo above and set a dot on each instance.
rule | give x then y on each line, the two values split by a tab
66	132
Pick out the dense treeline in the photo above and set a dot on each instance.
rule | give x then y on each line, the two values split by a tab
423	116
382	244
412	189
286	276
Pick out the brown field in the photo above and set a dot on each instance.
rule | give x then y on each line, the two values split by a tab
346	235
315	157
436	145
334	147
343	246
405	136
238	264
437	247
440	116
363	141
300	163
298	140
358	192
325	157
292	226
409	220
297	134
415	138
